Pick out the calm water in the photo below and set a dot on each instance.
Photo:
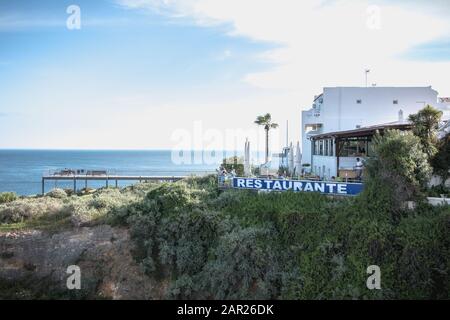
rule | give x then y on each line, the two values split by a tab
21	170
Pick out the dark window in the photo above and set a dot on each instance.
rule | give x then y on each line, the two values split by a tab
359	101
395	101
353	148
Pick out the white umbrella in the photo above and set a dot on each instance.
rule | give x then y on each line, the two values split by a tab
291	159
298	159
247	158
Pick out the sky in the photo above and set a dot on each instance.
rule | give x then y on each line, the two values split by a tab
162	74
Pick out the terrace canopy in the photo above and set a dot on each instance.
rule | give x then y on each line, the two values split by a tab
351	143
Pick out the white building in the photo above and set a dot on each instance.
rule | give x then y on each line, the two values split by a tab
347	108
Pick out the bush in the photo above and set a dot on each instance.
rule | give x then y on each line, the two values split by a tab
57	194
243	266
249	245
397	172
441	161
25	209
6	197
437	191
423	256
425	127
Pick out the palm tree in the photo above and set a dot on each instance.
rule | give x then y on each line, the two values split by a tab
426	127
266	122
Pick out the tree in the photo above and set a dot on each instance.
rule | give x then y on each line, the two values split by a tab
397	172
441	161
426	126
266	122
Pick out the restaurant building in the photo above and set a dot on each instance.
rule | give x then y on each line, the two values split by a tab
335	154
339	127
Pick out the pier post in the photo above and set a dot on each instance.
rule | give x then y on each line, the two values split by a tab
116	183
107	182
43	186
85	184
74	185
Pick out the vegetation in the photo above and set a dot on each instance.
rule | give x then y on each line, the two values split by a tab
232	244
236	163
397	172
441	161
237	245
425	126
438	191
7	197
247	245
57	210
266	122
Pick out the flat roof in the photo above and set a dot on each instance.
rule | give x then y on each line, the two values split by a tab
364	131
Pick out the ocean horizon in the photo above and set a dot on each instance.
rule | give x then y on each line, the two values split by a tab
21	170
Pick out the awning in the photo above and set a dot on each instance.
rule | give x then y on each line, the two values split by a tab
364	132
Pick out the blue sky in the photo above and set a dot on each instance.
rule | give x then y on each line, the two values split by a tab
139	70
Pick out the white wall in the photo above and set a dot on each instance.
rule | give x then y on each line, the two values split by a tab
330	164
340	111
324	166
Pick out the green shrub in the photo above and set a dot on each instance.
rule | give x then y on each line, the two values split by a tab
437	191
57	194
247	245
25	209
243	266
6	197
397	172
441	160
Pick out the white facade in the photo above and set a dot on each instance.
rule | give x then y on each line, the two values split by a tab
347	108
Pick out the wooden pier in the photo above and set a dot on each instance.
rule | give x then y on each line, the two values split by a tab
106	178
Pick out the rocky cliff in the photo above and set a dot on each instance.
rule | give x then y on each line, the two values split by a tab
33	264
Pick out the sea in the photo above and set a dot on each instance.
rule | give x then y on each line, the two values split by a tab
21	171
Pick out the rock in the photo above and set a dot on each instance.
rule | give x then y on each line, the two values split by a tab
103	254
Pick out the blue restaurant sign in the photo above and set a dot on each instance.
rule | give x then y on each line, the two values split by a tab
326	187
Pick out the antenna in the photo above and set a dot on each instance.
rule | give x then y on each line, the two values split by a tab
367	72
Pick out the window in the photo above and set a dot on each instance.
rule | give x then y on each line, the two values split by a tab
323	147
312	127
395	102
359	101
353	148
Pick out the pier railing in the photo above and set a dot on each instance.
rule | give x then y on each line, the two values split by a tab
76	175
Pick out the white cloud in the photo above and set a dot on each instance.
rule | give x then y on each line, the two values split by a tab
226	54
322	43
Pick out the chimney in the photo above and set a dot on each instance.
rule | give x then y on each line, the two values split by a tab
400	116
